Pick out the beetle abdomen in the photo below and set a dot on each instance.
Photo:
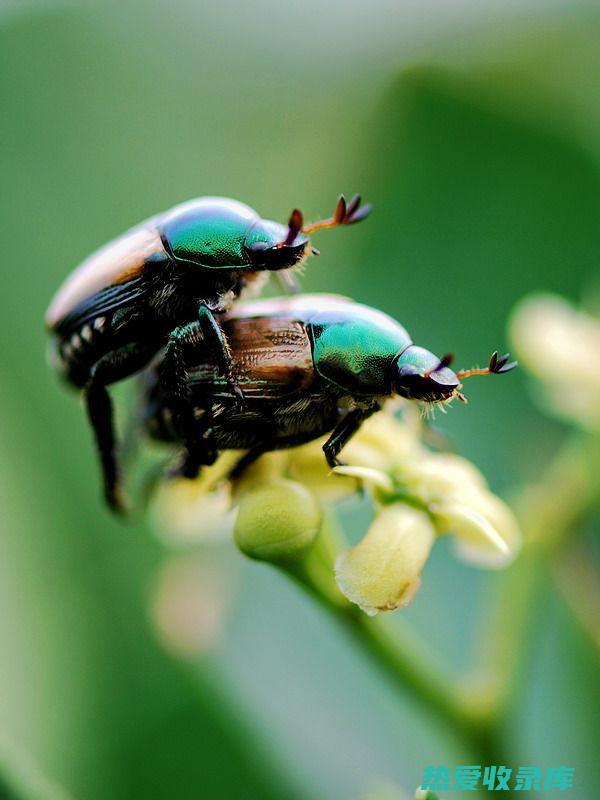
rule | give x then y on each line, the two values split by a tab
74	355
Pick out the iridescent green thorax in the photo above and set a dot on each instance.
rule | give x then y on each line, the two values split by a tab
355	348
219	233
210	232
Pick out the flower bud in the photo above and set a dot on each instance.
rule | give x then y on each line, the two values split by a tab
554	339
268	467
277	521
191	602
383	571
425	794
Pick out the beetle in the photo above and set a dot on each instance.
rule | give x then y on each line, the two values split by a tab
158	283
308	365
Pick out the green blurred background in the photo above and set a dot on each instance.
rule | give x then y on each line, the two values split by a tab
474	128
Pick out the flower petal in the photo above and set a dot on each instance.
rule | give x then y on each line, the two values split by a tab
438	476
383	571
477	540
371	477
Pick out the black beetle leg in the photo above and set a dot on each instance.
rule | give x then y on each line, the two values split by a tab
217	344
190	463
110	368
202	452
344	431
281	443
174	382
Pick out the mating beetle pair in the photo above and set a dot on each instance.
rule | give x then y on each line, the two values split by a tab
308	365
159	283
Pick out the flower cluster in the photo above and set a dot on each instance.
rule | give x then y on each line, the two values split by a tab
560	346
418	495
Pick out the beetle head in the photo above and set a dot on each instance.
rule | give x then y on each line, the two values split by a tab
421	375
273	246
269	246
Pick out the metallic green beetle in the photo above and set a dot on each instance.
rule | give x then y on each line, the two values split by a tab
308	365
150	288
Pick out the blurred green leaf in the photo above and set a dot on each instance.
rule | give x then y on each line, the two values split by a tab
21	779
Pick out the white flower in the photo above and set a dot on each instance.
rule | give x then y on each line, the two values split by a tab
560	346
418	500
383	571
455	493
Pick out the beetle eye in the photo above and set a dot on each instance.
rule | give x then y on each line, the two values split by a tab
422	376
258	247
421	387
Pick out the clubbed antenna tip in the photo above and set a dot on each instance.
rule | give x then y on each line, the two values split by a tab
345	213
496	366
502	364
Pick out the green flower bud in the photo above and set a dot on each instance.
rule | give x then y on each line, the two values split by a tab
426	794
277	521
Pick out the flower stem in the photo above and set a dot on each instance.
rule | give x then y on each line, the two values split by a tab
549	511
405	660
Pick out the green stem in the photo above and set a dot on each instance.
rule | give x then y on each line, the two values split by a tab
548	512
404	658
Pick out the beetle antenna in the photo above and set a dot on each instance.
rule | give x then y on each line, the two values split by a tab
497	366
345	213
295	223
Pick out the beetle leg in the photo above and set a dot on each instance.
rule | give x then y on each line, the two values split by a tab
344	431
217	344
110	368
190	463
174	383
201	452
267	446
288	282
